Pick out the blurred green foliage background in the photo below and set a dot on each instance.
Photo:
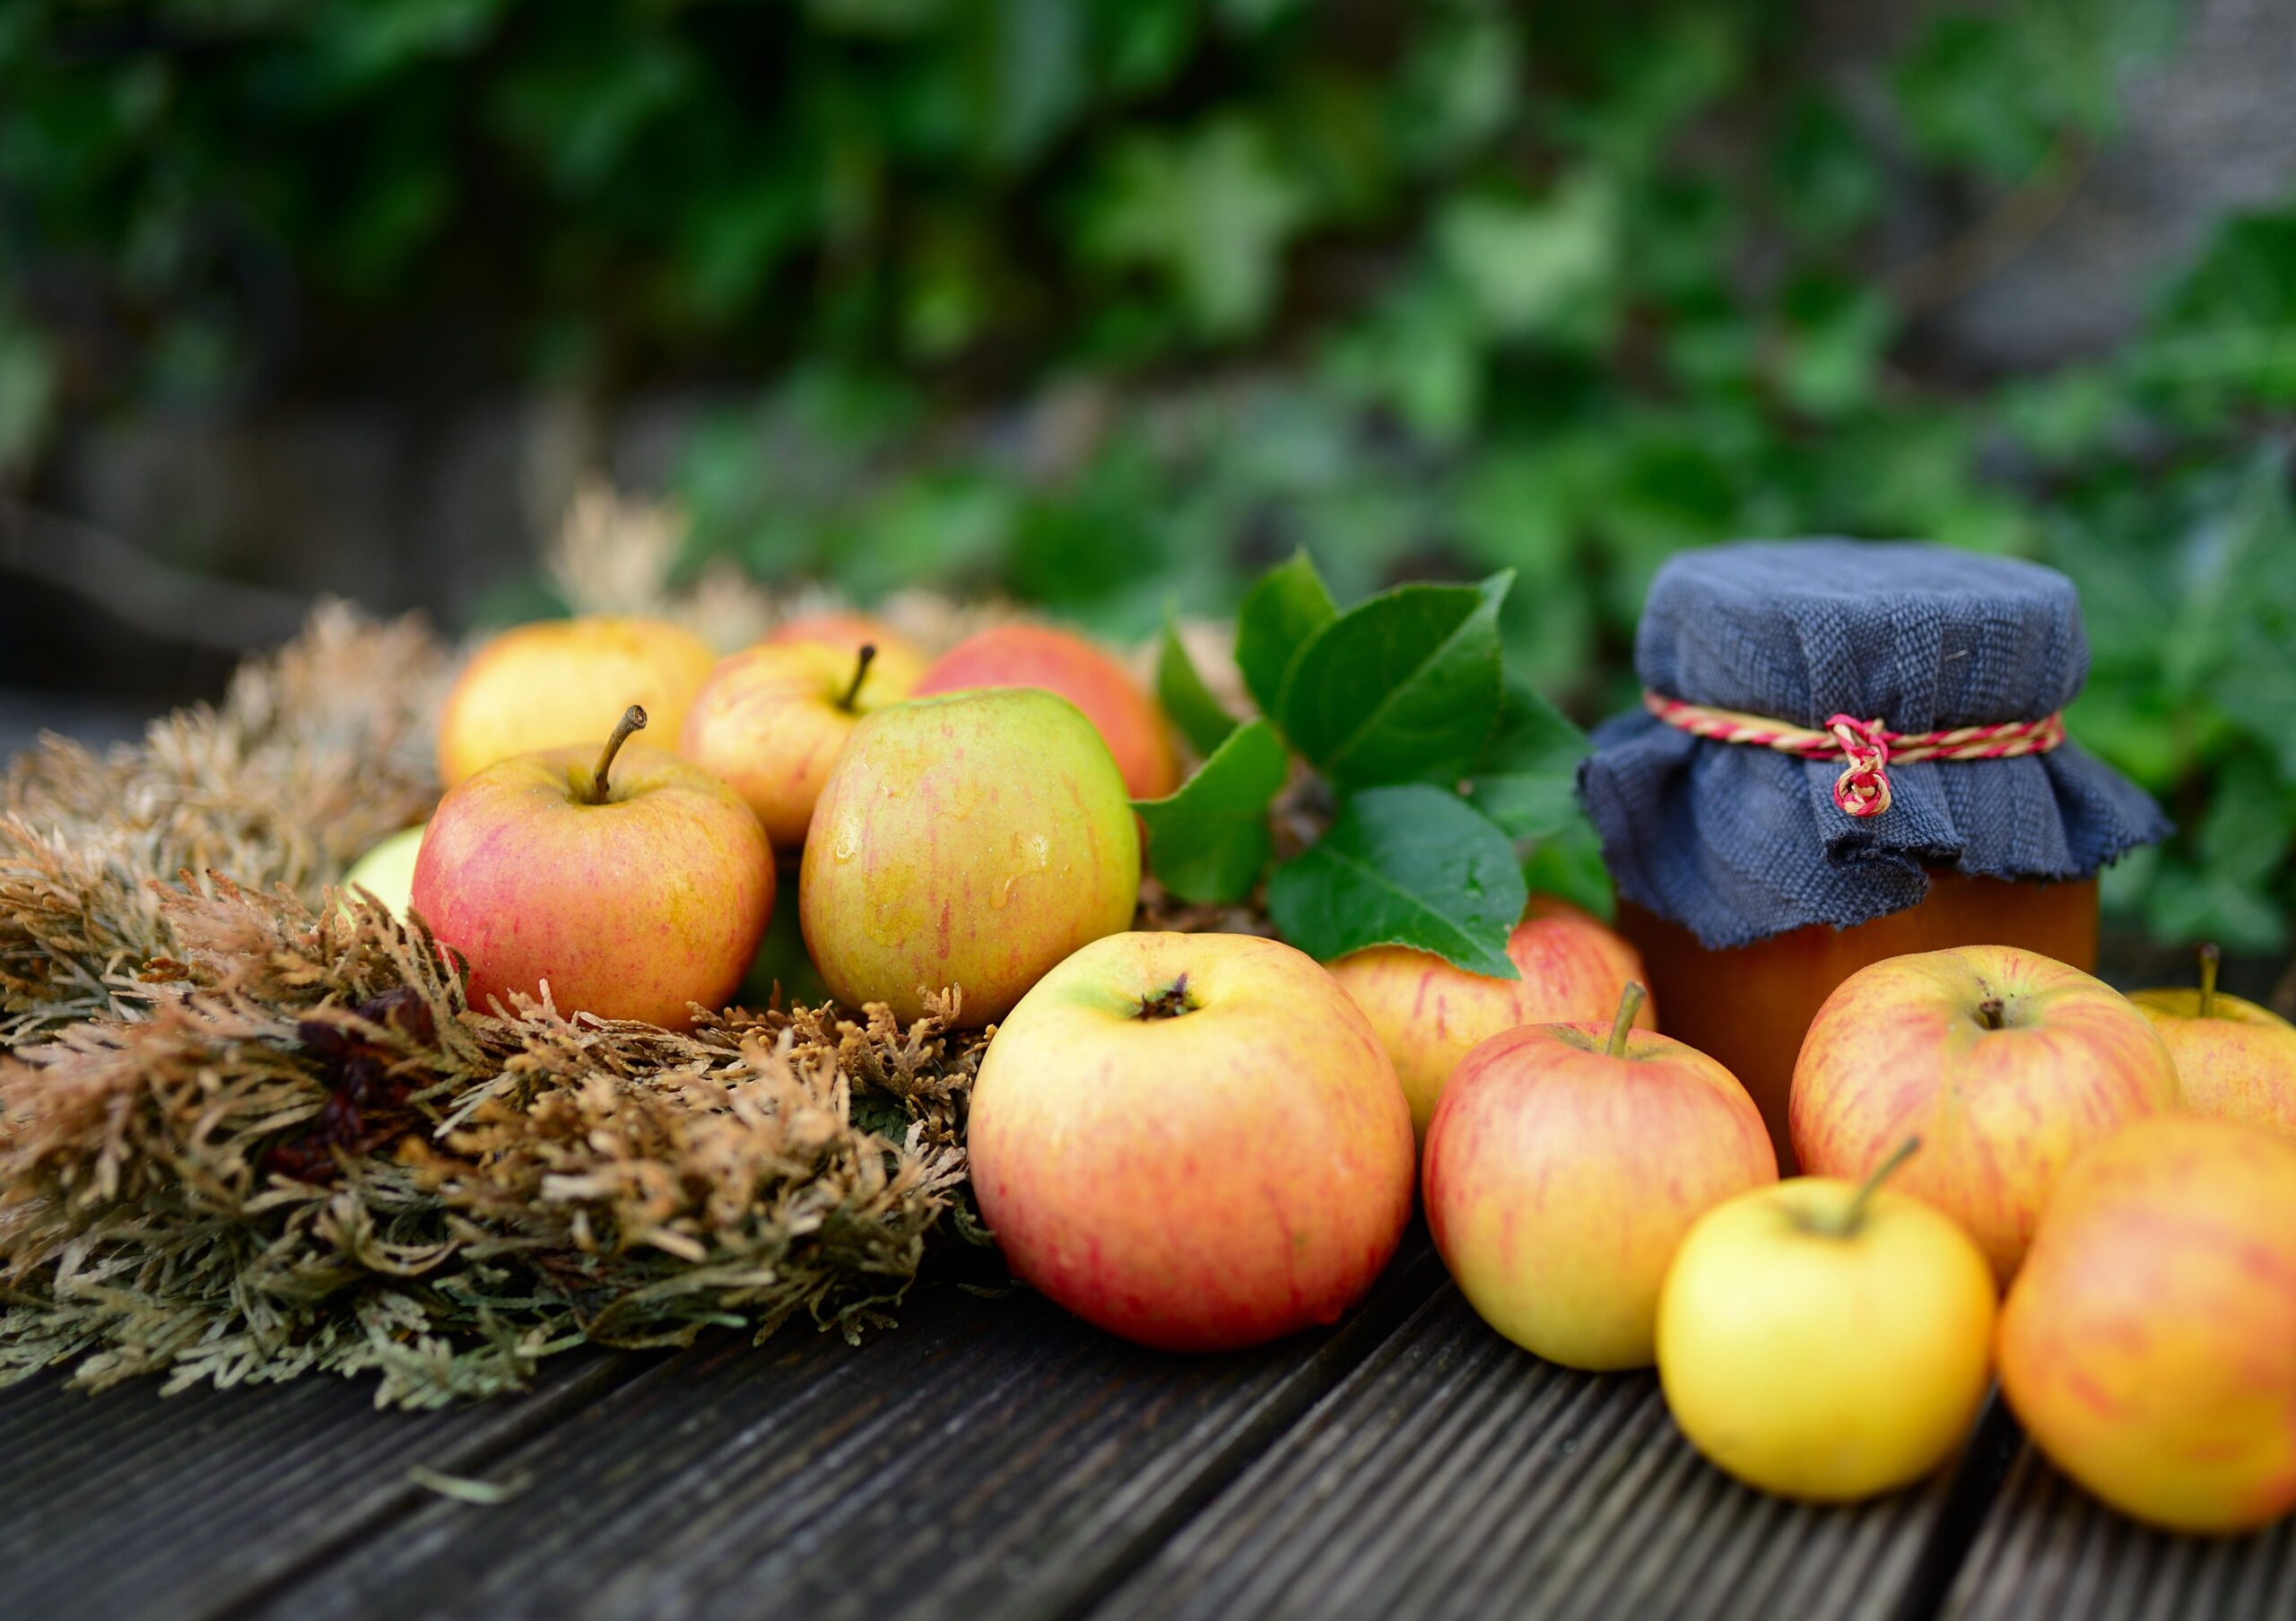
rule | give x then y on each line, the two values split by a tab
1109	304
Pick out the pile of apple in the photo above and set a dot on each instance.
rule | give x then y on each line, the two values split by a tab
1971	1120
1204	1141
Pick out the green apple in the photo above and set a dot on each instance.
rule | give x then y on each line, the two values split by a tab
387	872
971	841
632	891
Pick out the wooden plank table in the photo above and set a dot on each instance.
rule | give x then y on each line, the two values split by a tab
992	1460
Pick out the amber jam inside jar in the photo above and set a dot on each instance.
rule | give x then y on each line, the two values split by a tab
1749	1006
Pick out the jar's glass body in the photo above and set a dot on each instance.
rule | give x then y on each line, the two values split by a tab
1749	1006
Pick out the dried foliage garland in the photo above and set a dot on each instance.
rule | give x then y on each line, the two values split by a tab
250	1128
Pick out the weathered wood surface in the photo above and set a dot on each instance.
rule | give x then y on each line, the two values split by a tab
990	1459
1456	1475
994	1460
128	1507
2048	1548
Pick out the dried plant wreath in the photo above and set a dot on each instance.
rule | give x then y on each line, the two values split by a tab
250	1128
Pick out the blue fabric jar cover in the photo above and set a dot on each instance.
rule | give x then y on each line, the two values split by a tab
1736	842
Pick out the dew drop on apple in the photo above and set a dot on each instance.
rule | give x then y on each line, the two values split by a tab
847	844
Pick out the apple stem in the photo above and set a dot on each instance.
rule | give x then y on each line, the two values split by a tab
1169	1003
2211	959
634	720
861	659
1854	1217
1629	1003
1988	1014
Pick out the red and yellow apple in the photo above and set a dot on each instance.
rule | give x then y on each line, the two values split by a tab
632	883
2234	1059
1563	1165
1826	1341
899	660
544	685
1428	1013
1038	656
2149	1345
771	719
2006	1064
972	840
1191	1140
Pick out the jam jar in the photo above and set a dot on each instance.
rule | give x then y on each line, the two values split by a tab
1846	750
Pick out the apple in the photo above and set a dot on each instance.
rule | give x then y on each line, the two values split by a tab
771	719
1038	656
1191	1140
1428	1013
543	686
1825	1340
632	892
1563	1165
2006	1063
899	660
2149	1345
972	840
2234	1058
387	872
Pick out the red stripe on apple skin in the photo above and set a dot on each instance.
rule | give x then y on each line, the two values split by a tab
1899	1050
2163	1281
1560	1181
1234	1173
631	909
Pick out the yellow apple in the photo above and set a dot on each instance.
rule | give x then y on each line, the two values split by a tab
1191	1140
972	840
2005	1063
2149	1345
545	684
1824	1341
633	883
1563	1165
387	872
2234	1059
771	719
1428	1013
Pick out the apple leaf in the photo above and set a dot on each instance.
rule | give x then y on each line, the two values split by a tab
1209	841
1185	697
1528	779
1403	688
1413	865
1282	612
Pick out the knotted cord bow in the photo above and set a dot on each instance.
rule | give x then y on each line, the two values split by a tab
1866	747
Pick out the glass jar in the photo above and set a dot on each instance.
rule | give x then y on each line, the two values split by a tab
1801	793
1749	1006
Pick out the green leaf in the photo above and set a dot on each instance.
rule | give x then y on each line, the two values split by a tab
1403	688
1209	841
1570	865
2250	824
1410	865
1185	697
1526	781
1534	267
1280	615
1211	210
2190	904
